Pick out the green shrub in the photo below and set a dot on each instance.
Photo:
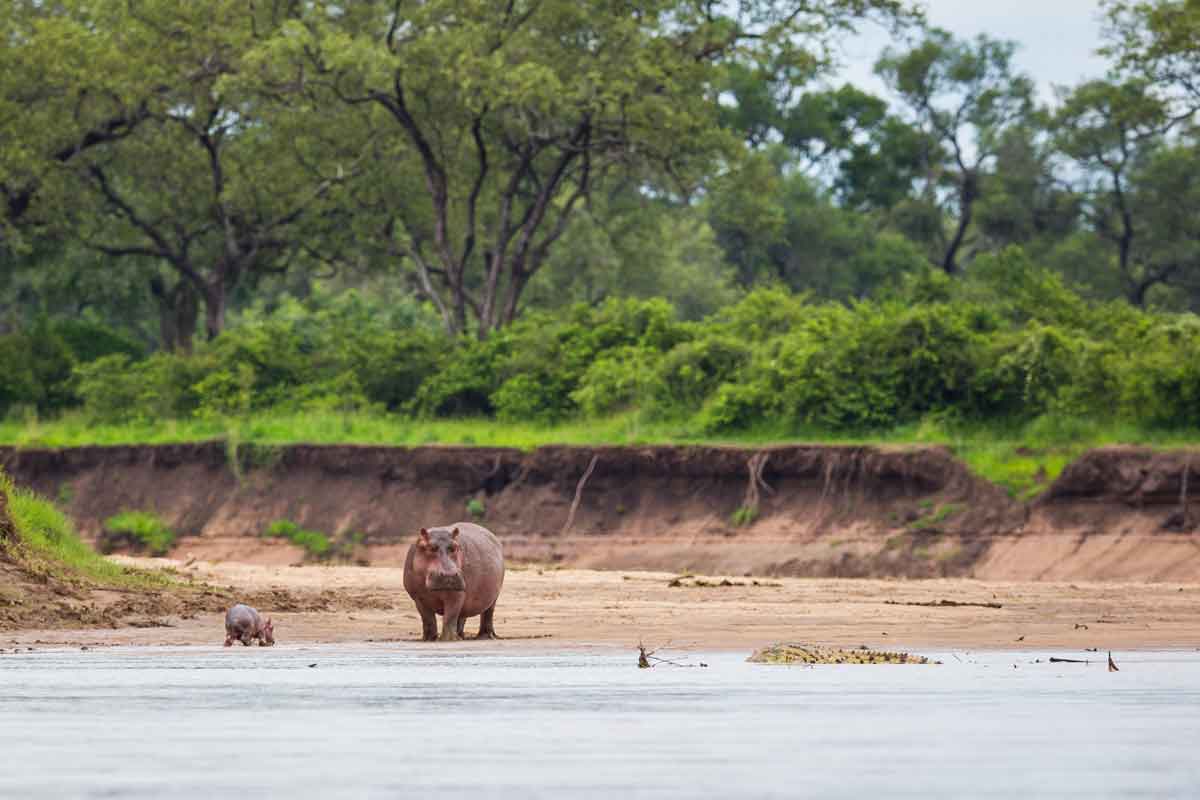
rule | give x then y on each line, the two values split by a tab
139	530
743	516
315	544
476	508
116	390
618	380
689	372
36	370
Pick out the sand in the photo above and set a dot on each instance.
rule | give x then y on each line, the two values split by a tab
547	609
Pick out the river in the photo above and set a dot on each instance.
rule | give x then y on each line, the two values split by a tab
423	721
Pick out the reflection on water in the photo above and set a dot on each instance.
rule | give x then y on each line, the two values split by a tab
412	722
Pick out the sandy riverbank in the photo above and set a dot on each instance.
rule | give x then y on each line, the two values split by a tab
549	609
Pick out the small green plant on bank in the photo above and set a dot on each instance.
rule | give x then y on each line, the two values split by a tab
937	516
476	508
139	530
317	546
743	516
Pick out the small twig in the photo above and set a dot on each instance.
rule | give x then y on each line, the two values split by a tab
1112	665
579	495
1054	660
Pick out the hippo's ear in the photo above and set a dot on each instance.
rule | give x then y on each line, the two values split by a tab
424	536
454	534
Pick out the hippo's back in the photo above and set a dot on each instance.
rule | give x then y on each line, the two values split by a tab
241	618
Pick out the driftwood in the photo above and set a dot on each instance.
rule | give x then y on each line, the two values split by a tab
1054	660
647	659
942	604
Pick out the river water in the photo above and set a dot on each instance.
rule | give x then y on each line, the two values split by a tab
372	721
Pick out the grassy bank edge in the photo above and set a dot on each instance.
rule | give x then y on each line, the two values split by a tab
1024	459
47	544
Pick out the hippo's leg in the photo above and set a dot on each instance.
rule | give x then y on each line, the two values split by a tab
462	627
451	624
229	640
428	623
487	629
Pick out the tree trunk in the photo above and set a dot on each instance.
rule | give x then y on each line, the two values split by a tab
214	309
967	195
178	310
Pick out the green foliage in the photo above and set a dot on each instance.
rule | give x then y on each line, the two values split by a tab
35	370
142	530
317	546
476	508
743	516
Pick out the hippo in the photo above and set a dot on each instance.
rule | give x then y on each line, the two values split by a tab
455	571
243	623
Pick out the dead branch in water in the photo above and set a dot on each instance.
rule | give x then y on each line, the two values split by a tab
1054	660
942	604
647	659
1112	665
579	495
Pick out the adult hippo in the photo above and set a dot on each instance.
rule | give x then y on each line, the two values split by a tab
455	571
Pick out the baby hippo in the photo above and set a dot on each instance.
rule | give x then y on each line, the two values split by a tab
244	624
455	571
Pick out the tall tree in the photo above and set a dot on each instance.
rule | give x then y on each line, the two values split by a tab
514	113
1159	41
963	96
217	180
66	87
1106	127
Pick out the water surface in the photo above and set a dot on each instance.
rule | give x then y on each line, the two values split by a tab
419	722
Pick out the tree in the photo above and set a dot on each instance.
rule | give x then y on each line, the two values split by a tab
217	179
1159	41
513	114
963	96
66	87
1165	189
1106	127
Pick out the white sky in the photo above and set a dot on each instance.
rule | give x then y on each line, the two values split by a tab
1057	39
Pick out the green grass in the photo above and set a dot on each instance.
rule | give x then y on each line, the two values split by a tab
476	508
316	545
144	529
936	516
51	545
1024	459
744	515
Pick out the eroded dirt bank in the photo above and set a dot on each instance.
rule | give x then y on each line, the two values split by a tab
1116	514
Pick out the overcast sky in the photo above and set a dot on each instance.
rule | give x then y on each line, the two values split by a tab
1056	39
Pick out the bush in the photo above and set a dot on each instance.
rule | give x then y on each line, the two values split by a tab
618	380
138	530
315	544
36	370
115	390
689	372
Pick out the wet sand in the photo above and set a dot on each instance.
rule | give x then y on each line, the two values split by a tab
552	609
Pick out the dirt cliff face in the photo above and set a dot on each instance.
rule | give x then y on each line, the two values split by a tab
820	511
